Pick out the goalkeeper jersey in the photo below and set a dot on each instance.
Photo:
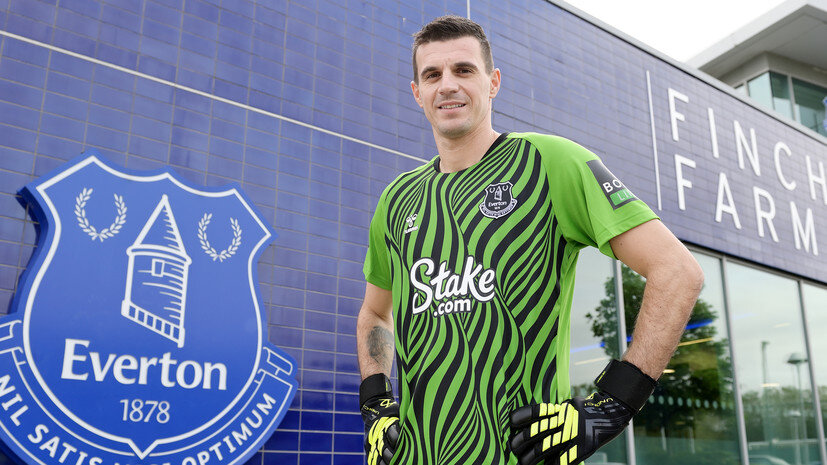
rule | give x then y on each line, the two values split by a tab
481	266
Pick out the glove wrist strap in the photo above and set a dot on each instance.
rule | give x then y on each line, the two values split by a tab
377	385
626	383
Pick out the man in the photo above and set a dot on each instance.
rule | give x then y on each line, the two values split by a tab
470	271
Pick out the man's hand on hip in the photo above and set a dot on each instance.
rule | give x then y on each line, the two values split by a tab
570	432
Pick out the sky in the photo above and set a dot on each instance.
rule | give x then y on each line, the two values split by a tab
679	28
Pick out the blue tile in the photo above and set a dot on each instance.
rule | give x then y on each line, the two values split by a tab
117	56
157	68
289	337
348	422
234	39
312	400
313	359
120	18
163	14
102	137
77	23
234	21
22	72
280	458
28	28
351	459
225	148
163	51
230	91
193	101
319	421
166	35
283	441
191	120
89	8
202	10
259	176
320	322
189	139
112	98
301	13
225	167
255	459
15	160
232	74
284	316
119	37
33	9
204	29
319	442
188	158
16	115
58	148
109	118
151	128
74	42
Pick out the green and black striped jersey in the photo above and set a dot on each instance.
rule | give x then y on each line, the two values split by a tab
481	266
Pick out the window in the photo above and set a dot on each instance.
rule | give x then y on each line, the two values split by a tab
690	419
771	361
810	103
594	335
772	91
815	306
157	267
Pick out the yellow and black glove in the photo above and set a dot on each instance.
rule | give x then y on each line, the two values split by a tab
570	432
380	412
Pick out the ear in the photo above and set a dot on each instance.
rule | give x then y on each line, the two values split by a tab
415	90
495	83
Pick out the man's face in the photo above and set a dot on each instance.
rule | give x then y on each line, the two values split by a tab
454	89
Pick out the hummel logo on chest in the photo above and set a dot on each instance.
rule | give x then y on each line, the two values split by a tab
411	220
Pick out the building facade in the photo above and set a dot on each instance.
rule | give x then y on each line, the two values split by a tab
307	106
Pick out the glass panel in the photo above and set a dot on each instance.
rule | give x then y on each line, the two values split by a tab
594	337
690	419
760	91
773	375
815	306
772	90
781	94
810	103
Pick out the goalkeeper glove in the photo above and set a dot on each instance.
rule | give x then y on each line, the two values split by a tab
380	412
570	432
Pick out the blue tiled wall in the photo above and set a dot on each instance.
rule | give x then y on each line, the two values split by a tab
238	90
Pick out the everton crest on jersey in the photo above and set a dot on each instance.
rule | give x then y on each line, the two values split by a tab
136	335
498	200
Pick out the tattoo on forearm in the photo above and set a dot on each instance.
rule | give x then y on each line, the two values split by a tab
380	347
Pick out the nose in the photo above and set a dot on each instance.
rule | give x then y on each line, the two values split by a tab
448	84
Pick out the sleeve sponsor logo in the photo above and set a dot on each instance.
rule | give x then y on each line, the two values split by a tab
616	193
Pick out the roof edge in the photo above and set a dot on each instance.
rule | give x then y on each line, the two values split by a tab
690	70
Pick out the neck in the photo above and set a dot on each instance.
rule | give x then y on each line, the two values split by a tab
458	154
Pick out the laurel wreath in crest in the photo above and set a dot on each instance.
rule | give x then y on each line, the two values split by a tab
83	222
210	250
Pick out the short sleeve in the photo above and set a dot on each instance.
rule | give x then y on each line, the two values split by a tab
377	261
591	204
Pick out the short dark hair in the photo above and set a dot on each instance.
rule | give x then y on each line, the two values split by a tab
448	28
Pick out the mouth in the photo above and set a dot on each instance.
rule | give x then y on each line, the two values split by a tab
451	106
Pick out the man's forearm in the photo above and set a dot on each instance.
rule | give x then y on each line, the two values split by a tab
374	342
668	299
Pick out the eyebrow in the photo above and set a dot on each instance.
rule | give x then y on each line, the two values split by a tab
460	64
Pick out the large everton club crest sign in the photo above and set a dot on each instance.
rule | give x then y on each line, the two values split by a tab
136	335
